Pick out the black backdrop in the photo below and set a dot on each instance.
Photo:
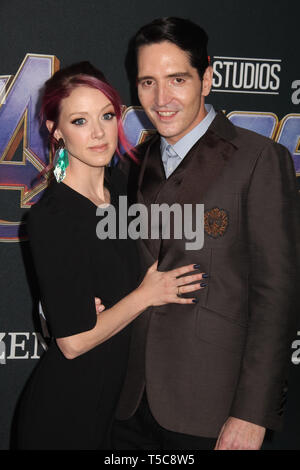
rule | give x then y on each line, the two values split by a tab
263	32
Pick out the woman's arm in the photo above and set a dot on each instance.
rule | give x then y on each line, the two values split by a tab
157	288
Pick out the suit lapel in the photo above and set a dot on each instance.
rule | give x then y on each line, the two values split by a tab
152	175
200	171
151	180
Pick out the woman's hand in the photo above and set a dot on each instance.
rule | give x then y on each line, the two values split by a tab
160	288
157	288
99	306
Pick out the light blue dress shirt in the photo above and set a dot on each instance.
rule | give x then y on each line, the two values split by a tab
172	155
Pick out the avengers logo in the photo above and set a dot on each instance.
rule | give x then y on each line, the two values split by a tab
19	105
19	123
21	345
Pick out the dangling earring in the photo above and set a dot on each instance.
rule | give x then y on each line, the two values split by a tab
61	161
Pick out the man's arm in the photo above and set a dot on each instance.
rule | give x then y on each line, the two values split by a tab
237	434
273	231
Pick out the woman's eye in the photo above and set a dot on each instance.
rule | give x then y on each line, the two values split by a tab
79	121
108	116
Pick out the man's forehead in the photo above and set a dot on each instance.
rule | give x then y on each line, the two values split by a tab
161	49
164	58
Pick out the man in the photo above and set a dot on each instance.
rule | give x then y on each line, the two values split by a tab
212	375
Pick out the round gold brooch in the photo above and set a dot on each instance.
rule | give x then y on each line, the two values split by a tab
216	221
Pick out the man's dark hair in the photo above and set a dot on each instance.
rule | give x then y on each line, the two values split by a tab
185	34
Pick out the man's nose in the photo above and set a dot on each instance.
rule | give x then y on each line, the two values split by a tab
163	95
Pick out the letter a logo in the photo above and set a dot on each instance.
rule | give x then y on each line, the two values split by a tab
19	108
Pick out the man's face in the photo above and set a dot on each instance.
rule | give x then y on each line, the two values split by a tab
170	89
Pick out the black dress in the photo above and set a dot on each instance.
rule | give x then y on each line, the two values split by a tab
69	404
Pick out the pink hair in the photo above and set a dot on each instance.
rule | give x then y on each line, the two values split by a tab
60	86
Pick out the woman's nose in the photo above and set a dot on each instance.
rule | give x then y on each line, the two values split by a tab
97	131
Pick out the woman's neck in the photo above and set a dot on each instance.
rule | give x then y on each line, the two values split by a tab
88	181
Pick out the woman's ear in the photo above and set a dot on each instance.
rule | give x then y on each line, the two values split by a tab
49	125
57	134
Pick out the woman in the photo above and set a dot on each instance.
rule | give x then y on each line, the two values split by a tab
70	399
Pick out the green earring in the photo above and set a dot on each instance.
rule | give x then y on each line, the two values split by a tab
61	162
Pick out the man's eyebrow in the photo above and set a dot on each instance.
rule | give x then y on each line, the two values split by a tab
171	75
145	77
179	74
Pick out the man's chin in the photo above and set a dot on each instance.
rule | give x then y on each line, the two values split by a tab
164	131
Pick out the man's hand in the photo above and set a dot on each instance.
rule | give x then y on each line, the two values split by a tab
99	306
237	434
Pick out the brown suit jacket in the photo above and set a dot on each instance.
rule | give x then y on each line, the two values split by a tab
228	354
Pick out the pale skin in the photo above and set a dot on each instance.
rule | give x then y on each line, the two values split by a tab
88	127
173	96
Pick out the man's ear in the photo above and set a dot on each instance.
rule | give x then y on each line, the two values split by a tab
207	81
57	134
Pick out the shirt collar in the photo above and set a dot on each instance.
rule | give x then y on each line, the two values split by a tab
184	145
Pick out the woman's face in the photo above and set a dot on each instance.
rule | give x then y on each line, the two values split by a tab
88	126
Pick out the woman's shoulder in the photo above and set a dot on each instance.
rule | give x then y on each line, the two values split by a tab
51	213
48	204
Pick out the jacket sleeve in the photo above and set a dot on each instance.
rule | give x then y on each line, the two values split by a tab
273	243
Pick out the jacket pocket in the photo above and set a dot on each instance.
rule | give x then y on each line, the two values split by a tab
228	284
221	331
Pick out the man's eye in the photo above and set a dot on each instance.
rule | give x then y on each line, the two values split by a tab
178	80
79	121
147	83
108	116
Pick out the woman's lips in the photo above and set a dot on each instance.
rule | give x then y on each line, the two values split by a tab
99	148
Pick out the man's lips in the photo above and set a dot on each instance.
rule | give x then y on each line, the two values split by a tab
166	115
